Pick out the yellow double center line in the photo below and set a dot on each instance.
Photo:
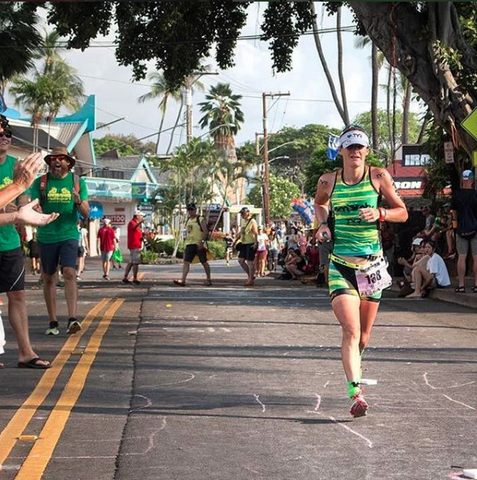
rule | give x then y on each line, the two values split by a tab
39	456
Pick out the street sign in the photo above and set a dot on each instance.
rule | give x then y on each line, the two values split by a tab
145	207
449	152
470	124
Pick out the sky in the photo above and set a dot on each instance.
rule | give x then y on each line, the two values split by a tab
309	101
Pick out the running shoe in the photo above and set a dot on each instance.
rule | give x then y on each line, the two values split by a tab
136	282
359	407
125	280
73	326
52	330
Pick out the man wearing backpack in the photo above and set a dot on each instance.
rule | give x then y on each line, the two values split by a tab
195	237
60	191
464	210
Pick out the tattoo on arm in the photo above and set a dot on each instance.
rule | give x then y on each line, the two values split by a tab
380	175
323	182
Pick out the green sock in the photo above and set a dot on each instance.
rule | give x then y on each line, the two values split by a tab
353	388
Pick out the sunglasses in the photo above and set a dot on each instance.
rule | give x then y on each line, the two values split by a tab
58	157
6	134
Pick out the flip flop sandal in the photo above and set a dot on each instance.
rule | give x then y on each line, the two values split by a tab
460	290
34	363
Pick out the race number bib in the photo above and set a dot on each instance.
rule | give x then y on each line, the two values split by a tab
373	277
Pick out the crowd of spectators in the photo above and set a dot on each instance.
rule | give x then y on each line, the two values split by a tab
293	253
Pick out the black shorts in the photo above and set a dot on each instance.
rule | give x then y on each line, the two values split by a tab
192	250
247	252
61	253
12	271
80	252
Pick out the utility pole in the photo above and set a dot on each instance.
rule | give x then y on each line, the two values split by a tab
266	172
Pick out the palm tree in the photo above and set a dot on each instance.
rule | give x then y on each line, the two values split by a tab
160	89
19	40
54	86
341	105
223	116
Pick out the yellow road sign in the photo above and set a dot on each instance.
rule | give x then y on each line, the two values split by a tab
470	123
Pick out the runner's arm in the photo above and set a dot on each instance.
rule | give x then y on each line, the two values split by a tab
324	189
397	212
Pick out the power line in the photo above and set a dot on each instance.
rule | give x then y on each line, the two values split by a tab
64	44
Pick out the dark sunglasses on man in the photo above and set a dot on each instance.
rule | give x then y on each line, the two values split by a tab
6	134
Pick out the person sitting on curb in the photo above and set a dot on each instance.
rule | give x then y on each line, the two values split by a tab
294	263
434	275
196	235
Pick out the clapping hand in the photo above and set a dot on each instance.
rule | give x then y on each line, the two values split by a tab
26	171
29	216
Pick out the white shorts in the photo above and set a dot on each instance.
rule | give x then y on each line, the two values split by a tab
106	256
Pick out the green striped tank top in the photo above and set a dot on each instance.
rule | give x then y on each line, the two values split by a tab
353	236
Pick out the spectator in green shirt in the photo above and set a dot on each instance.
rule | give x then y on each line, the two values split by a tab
59	191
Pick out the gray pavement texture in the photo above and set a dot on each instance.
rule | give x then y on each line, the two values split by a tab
228	383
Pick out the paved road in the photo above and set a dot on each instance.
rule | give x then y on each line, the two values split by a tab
224	383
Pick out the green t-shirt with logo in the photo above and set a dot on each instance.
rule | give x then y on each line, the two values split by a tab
58	197
9	238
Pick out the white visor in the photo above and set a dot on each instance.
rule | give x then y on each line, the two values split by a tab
354	137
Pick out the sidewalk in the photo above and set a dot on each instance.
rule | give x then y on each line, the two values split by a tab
468	299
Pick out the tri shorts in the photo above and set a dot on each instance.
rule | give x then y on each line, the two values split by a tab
342	281
12	271
192	250
247	252
63	253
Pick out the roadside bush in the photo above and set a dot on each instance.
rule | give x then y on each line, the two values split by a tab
218	248
149	257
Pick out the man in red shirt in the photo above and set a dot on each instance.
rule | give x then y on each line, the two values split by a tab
107	240
135	246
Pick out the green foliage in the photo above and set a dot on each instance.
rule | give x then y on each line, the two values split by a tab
218	248
53	86
124	144
148	257
282	192
156	31
292	150
19	39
